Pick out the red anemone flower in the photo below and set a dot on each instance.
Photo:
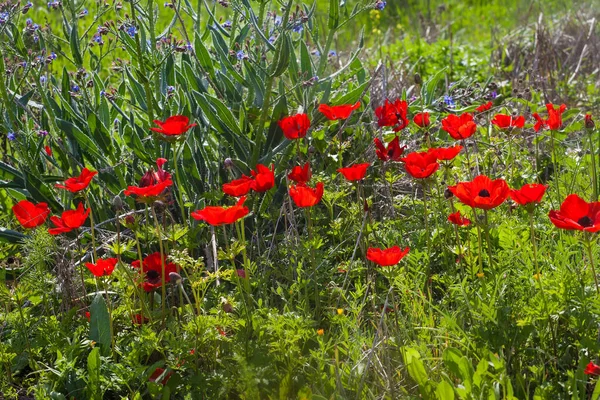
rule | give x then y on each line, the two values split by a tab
422	119
589	122
355	172
484	107
264	178
78	183
216	216
421	165
554	120
447	153
386	257
482	192
148	193
577	214
152	266
393	114
48	151
152	177
459	127
102	267
529	193
338	112
173	126
393	152
504	121
294	127
31	215
458	219
69	220
305	196
238	187
300	174
592	369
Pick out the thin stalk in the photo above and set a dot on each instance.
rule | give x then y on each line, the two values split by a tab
588	243
480	245
162	263
110	318
179	187
92	230
313	261
487	238
594	173
555	172
142	66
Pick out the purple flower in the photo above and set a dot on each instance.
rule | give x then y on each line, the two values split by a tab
380	5
11	136
42	133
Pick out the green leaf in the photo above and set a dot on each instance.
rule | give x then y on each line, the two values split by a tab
9	236
203	56
444	391
74	41
352	96
100	324
282	55
83	140
94	389
334	14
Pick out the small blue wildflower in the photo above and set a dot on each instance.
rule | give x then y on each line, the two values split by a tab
42	133
169	5
332	53
3	17
226	24
493	95
277	21
98	39
53	56
132	31
28	21
36	38
380	5
102	93
298	28
272	39
27	7
449	101
170	89
240	55
11	136
83	13
43	79
316	52
75	88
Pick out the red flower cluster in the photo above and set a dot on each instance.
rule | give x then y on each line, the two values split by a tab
305	196
447	153
174	126
69	220
484	107
421	119
554	120
338	112
152	177
30	215
577	214
482	192
152	266
503	121
294	127
300	174
263	179
592	369
216	216
459	127
528	194
458	219
102	267
421	165
386	257
392	152
78	183
354	172
393	114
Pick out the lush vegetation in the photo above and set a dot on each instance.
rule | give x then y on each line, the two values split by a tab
322	200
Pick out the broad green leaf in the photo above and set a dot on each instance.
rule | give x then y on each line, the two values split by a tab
100	324
94	389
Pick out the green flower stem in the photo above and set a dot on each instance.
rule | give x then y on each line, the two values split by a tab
141	269
179	186
555	162
479	242
594	173
142	66
588	242
110	318
162	263
313	262
92	229
487	238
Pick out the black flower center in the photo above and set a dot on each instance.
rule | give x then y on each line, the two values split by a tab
484	193
585	221
152	275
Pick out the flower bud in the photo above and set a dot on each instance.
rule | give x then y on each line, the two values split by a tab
117	203
175	278
228	163
448	194
589	122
